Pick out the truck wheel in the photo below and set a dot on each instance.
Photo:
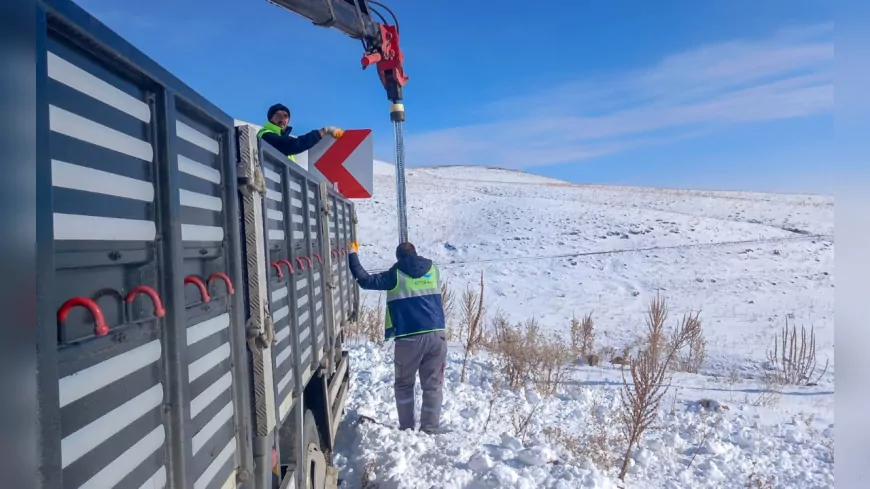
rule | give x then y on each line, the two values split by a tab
315	462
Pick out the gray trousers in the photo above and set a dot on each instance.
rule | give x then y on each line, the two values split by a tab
426	353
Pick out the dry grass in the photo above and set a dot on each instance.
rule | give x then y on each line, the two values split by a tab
690	358
368	477
794	358
582	336
550	362
369	326
494	400
472	330
523	353
520	419
705	434
754	480
641	400
596	443
510	356
448	300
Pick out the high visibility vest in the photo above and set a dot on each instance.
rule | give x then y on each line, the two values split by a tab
414	305
269	127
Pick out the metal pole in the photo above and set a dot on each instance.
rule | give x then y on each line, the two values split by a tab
397	115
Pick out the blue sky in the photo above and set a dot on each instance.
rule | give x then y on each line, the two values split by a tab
730	94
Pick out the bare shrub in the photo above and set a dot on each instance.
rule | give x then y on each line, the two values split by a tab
596	443
522	353
575	335
754	480
509	353
550	360
520	419
768	395
448	300
369	325
582	335
655	325
494	400
368	477
472	324
704	436
587	333
650	379
693	352
794	358
607	352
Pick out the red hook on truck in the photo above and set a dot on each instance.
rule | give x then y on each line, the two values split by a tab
225	278
100	327
277	269
286	262
193	279
300	263
159	312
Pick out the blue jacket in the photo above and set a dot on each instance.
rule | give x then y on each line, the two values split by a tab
287	144
409	316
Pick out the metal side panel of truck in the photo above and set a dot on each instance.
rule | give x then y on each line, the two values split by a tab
193	284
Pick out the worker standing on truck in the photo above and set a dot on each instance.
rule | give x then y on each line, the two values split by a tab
415	321
277	129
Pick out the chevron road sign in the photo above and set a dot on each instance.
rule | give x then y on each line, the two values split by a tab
346	162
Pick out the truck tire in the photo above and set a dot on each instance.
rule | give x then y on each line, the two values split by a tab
311	441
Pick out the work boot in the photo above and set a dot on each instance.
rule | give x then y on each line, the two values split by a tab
437	430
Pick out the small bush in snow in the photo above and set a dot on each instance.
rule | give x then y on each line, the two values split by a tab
523	353
552	358
448	300
472	330
793	358
650	380
582	336
597	443
691	355
369	325
520	419
510	346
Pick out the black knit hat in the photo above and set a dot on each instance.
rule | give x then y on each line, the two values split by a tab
405	250
276	108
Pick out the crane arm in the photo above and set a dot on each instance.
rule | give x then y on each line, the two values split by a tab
354	19
381	43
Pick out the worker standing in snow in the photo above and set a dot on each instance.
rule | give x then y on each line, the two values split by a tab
415	321
277	133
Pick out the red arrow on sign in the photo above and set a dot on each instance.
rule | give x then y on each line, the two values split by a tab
331	163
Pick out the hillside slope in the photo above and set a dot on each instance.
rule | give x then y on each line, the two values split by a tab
506	227
549	249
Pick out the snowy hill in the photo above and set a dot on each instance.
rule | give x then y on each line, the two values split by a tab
549	249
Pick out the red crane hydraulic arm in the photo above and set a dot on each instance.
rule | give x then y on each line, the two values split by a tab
381	44
354	19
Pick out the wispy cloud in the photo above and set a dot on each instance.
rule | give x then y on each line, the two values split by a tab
787	75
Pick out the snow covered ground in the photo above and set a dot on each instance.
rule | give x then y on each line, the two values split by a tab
548	249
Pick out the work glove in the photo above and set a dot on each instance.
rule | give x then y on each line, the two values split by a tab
333	131
353	247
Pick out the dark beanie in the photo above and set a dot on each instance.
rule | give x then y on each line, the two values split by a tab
276	108
405	250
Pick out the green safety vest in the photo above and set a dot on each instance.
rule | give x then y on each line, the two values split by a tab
269	127
414	305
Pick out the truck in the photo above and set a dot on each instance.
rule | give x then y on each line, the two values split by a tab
193	282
